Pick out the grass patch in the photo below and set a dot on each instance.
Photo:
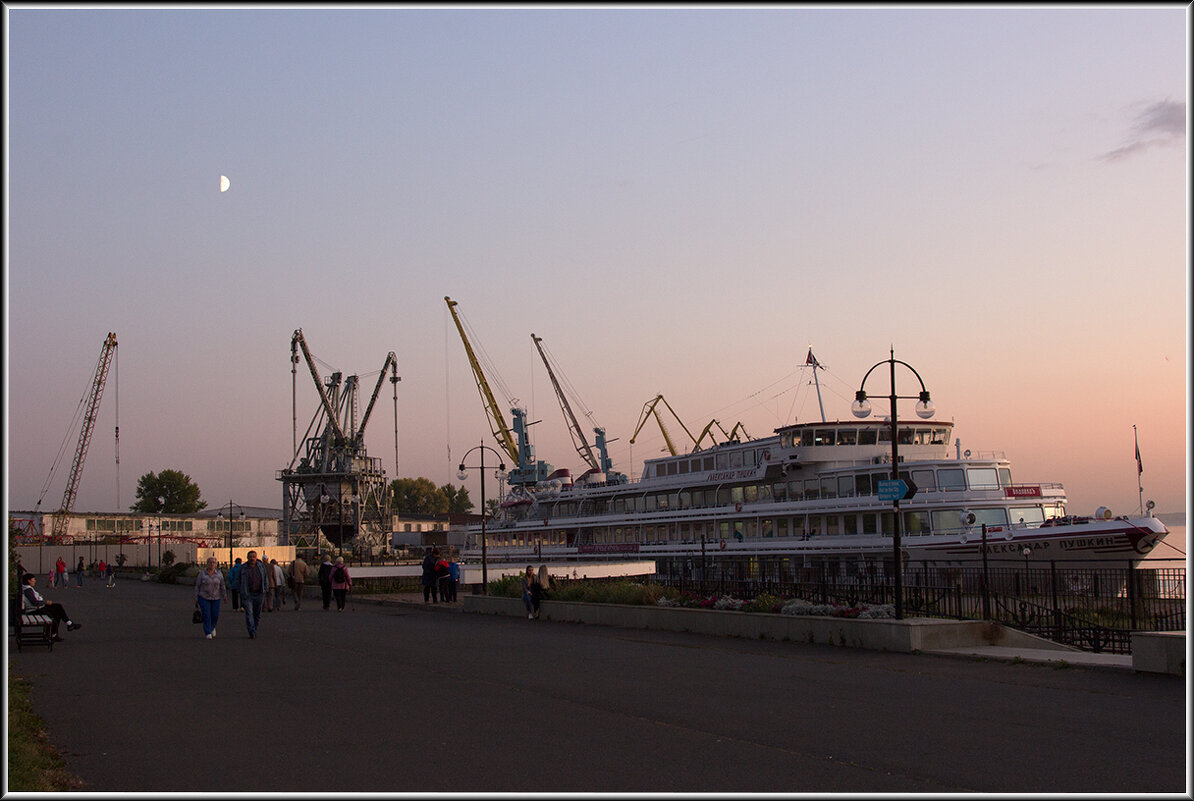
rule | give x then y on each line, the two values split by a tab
34	765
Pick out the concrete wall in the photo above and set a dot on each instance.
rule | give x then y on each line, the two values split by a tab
906	636
1159	652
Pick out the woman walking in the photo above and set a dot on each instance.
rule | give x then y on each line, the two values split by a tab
341	583
209	591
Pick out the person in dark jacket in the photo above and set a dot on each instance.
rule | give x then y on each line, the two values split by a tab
429	578
325	581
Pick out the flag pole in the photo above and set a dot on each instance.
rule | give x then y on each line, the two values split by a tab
1139	469
811	359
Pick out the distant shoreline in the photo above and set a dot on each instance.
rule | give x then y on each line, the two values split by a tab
1173	518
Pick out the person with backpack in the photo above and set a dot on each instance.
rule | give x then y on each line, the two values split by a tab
341	583
325	581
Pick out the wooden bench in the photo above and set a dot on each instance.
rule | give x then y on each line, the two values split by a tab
31	627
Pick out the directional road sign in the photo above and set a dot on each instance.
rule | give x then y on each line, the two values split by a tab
896	489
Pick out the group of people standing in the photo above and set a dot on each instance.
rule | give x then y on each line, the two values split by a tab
441	577
256	586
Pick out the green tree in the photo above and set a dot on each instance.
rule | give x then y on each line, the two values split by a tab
169	492
458	499
417	496
420	496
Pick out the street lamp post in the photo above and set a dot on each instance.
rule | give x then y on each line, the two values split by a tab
220	520
462	474
924	410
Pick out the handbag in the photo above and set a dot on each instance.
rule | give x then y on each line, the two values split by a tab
196	616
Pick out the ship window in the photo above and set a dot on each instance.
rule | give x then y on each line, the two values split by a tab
664	500
833	524
723	461
710	497
886	523
685	499
812	489
940	436
982	478
736	459
868	436
829	487
806	437
683	467
816	525
924	480
847	436
845	486
764	492
749	459
916	523
905	436
723	530
650	503
708	462
823	436
685	531
885	435
869	523
779	491
862	484
992	517
672	467
1029	515
951	479
850	524
947	520
735	494
750	493
1005	477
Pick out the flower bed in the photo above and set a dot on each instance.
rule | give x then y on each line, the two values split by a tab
769	603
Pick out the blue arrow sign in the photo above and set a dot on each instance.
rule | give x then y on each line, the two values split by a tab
896	490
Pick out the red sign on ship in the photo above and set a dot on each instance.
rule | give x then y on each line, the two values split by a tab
1023	492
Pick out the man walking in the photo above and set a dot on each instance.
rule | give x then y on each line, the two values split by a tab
298	577
254	583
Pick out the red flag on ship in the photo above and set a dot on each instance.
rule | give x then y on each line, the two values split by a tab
811	358
1139	467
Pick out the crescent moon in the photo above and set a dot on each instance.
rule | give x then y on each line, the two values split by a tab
224	183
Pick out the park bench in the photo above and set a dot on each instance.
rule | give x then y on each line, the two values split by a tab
31	627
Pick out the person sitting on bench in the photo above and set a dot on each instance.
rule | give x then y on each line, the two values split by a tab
31	601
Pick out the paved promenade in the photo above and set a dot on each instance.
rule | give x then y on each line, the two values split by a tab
401	698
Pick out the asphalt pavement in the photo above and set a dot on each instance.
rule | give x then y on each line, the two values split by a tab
403	698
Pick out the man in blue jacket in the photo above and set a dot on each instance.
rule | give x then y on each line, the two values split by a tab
253	585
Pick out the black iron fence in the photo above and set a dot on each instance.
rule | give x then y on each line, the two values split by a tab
1093	608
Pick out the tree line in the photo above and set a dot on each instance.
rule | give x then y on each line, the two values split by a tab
173	492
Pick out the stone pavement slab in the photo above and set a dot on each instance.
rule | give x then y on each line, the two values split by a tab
386	698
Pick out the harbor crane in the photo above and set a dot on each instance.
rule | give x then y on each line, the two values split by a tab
92	400
650	408
731	436
332	486
599	463
516	443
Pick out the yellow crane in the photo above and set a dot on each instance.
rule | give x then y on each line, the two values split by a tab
497	423
650	408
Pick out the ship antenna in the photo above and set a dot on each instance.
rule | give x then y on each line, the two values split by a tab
811	359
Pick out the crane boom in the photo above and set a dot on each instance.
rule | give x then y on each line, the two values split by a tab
497	423
578	435
390	363
649	408
76	470
298	339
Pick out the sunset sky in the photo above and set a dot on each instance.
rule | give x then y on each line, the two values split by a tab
677	200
